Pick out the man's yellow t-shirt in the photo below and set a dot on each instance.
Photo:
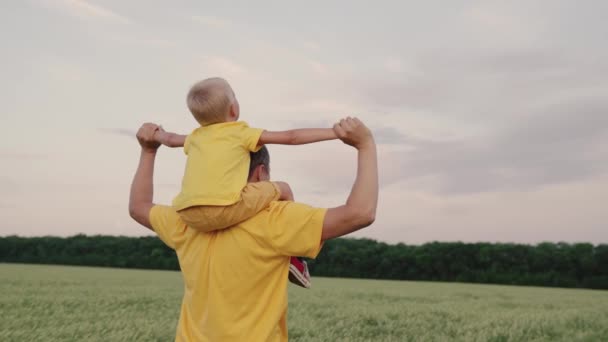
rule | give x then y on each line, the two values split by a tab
236	279
217	165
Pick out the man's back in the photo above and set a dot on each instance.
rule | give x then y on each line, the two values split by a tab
236	279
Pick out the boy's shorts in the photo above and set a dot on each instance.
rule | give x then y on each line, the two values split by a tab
254	198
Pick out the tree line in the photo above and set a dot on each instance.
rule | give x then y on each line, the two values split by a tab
581	265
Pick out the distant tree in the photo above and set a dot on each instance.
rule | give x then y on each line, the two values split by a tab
545	264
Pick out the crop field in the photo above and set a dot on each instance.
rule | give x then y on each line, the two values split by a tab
56	303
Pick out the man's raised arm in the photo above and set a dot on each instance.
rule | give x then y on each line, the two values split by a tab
142	190
359	211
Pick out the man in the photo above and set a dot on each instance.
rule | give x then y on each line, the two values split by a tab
236	279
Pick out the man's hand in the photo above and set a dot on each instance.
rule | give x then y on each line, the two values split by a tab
354	133
145	137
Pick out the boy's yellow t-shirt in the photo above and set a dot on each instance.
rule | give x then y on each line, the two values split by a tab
218	164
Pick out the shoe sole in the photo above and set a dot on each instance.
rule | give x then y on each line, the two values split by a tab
295	273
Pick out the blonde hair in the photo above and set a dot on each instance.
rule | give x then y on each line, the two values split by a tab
209	100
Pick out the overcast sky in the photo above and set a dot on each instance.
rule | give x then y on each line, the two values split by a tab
491	117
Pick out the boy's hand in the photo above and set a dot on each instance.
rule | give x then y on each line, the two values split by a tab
145	137
160	135
169	139
353	132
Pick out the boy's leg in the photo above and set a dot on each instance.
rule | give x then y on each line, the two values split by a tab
203	218
298	272
254	198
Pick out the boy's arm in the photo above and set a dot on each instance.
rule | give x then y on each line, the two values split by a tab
297	136
169	139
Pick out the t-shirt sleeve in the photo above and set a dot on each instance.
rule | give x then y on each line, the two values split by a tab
295	229
187	143
165	221
251	137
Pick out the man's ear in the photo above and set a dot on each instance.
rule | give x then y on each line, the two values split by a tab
260	173
255	175
263	172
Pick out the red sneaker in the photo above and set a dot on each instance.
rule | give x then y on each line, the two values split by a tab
298	272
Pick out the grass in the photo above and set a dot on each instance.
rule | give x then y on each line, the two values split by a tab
56	303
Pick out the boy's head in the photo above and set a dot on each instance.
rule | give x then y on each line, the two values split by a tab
212	101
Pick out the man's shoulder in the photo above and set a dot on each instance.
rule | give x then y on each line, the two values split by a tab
280	212
166	223
290	206
291	228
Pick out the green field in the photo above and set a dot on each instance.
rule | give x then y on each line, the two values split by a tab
56	303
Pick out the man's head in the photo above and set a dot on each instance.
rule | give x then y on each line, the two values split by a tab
259	168
213	101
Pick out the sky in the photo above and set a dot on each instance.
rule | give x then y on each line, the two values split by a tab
491	117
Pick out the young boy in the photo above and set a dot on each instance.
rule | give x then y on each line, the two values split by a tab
215	193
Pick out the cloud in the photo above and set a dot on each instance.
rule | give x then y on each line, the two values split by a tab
213	22
223	66
394	65
318	67
118	131
474	86
7	206
534	115
65	71
563	143
21	156
445	81
85	9
559	144
391	135
131	40
501	23
311	46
